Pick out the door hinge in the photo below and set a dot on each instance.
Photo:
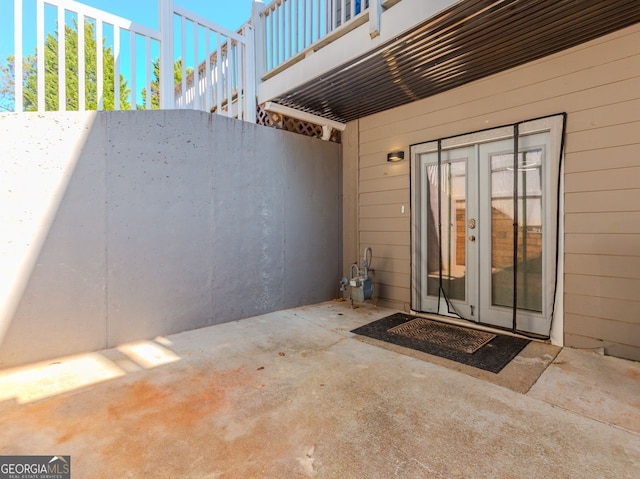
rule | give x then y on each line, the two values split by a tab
472	309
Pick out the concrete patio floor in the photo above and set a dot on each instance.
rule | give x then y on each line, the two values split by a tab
295	394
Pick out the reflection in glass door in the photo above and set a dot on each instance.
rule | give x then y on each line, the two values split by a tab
521	257
447	269
528	268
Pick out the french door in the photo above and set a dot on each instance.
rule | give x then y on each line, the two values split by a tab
484	225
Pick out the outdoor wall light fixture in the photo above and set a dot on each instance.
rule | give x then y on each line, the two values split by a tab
395	156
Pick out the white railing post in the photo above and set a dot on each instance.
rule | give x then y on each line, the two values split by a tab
375	10
82	68
196	69
132	79
259	41
40	53
100	65
167	87
116	69
17	66
148	75
62	77
250	93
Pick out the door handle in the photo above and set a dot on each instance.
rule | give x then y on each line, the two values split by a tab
472	238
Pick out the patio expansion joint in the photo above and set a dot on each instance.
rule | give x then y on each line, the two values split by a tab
331	328
345	333
545	368
329	346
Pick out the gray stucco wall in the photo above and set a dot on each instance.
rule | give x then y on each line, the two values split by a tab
119	226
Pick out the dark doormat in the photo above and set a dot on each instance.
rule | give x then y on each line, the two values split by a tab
490	352
449	336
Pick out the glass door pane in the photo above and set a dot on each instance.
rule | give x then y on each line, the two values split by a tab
446	229
444	272
529	246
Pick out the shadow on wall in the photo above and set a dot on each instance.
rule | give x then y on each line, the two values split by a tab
128	225
41	162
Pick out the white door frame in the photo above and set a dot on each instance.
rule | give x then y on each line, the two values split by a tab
419	153
427	156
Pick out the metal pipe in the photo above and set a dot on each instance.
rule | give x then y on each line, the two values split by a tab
354	265
366	264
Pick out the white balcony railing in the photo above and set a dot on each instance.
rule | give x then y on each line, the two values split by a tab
85	58
292	26
225	81
92	22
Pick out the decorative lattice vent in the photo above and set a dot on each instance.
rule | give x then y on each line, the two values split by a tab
283	122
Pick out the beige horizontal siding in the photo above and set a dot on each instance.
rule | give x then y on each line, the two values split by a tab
606	137
602	286
387	169
385	197
401	280
392	293
385	224
624	310
603	159
384	211
388	251
376	159
598	85
606	115
588	223
601	201
391	265
608	244
604	265
386	183
394	238
603	329
603	180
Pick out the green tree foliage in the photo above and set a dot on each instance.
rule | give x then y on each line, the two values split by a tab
155	83
30	79
7	74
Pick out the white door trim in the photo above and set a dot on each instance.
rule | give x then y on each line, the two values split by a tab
553	125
